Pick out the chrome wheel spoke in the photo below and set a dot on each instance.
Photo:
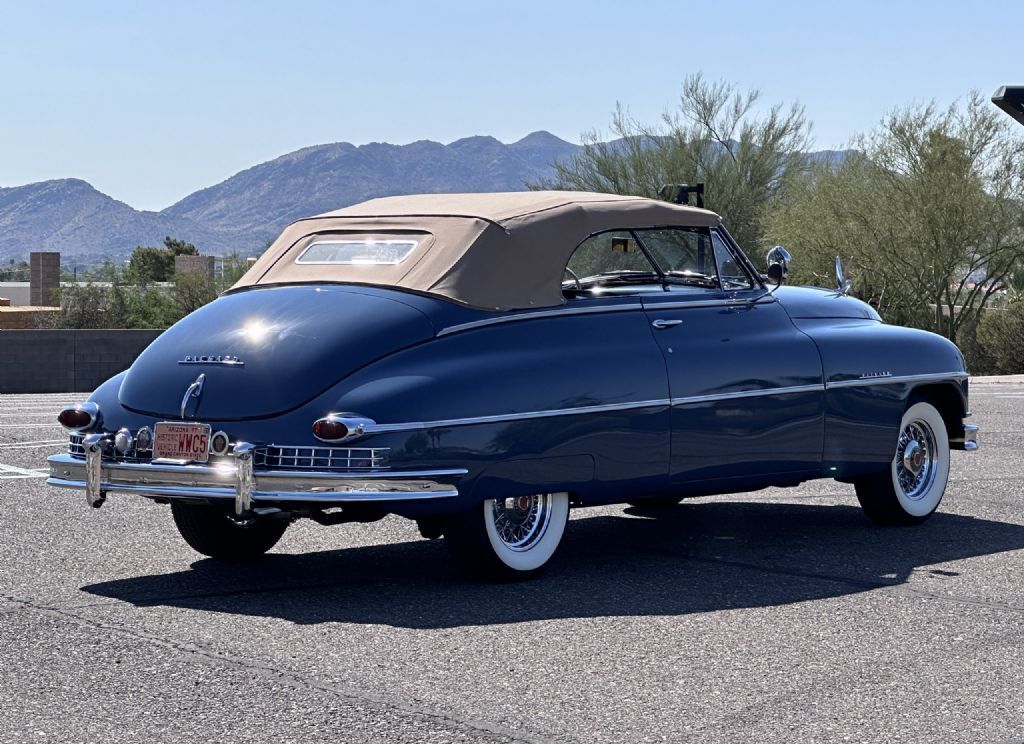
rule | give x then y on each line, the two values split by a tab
915	459
521	522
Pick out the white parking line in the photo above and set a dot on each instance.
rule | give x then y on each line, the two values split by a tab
34	445
54	425
24	472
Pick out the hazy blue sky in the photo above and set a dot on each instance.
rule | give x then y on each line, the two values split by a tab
150	101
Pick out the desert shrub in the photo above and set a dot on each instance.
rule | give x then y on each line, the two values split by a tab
1000	338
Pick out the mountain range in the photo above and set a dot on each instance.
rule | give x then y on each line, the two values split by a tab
250	208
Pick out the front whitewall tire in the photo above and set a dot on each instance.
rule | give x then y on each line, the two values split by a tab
923	420
913	484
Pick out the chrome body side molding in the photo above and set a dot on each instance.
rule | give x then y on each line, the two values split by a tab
624	307
642	404
538	314
892	380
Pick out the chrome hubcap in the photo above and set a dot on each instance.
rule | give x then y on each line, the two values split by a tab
915	459
522	521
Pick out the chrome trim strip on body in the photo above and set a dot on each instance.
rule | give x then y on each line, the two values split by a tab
871	381
223	482
759	393
641	404
537	314
696	304
503	417
572	311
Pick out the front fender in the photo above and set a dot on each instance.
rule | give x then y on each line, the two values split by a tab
871	370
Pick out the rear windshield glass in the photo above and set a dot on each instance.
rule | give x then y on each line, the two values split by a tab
357	252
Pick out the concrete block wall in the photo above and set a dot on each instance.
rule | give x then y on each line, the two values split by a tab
59	361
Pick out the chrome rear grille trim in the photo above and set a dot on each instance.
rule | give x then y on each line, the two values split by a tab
279	457
284	457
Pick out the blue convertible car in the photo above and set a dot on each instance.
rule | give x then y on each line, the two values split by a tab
483	362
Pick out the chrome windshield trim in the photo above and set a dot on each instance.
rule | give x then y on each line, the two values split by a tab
871	381
760	393
538	314
503	417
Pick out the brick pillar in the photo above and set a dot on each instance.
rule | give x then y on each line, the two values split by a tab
44	277
202	265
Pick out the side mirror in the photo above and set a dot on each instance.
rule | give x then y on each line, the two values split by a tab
842	283
778	264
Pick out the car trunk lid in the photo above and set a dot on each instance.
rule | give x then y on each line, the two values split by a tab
265	351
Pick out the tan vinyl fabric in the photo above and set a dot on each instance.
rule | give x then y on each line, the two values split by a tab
499	251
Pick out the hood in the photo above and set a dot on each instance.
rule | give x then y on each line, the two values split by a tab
815	302
291	343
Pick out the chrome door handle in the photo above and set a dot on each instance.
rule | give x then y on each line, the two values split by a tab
662	324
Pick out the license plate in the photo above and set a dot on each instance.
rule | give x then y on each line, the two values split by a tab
188	442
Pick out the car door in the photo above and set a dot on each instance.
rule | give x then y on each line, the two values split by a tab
745	384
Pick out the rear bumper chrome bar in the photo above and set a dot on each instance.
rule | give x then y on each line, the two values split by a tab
969	440
239	482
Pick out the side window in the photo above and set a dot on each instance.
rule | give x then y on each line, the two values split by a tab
608	253
732	274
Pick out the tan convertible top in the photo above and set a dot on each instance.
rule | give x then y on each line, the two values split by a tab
499	251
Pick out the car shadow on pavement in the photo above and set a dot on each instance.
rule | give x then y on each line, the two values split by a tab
694	558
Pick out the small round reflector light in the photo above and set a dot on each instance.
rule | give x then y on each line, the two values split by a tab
79	418
220	443
329	430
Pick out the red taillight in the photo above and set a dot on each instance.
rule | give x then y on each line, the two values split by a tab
76	417
329	430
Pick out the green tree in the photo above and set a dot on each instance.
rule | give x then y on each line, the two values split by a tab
149	265
191	292
928	216
716	136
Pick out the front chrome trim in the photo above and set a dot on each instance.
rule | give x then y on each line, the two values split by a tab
234	482
929	377
968	442
538	314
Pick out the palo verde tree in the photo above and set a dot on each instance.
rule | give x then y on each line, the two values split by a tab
717	136
928	214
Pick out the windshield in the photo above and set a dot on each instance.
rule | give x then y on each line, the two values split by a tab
693	257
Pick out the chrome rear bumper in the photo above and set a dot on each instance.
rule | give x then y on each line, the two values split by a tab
239	482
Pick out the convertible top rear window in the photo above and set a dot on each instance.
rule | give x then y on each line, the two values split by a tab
365	252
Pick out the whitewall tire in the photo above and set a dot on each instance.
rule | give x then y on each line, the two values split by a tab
915	482
508	539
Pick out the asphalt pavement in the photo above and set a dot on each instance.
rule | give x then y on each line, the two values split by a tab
781	615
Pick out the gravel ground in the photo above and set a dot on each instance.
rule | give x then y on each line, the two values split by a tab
781	615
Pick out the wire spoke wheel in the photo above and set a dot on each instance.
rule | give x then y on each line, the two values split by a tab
522	521
915	466
508	539
914	481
